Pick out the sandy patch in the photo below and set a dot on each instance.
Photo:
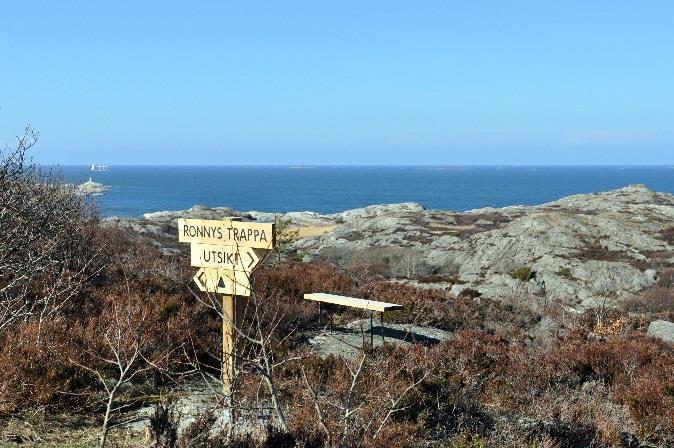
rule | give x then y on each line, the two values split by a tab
309	231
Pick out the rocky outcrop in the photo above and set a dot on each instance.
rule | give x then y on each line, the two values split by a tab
163	226
662	329
581	250
89	188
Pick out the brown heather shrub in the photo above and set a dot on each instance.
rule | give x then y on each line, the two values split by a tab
654	300
36	372
289	282
622	364
383	401
575	393
668	235
36	361
294	279
666	278
34	356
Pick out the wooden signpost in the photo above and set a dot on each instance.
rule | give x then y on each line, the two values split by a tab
225	253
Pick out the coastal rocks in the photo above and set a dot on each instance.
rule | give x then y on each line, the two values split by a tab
583	250
662	329
91	188
163	226
299	219
379	211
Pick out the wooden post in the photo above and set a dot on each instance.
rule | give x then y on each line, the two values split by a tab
229	316
233	308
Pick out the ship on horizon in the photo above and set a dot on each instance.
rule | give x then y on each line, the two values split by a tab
100	168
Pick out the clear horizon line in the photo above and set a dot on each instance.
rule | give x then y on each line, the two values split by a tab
665	165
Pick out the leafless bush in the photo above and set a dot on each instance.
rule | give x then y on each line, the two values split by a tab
117	348
46	250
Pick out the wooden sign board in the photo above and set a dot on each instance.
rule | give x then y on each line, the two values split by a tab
222	282
226	232
231	258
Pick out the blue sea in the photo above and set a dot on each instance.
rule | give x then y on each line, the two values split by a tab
141	189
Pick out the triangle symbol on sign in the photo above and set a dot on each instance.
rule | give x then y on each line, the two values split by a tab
221	283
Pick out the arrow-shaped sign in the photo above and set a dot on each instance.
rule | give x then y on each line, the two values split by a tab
224	257
222	282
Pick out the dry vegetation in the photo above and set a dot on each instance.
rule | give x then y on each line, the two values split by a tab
95	323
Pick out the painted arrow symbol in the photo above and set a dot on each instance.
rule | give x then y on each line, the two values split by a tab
201	279
253	259
222	281
223	257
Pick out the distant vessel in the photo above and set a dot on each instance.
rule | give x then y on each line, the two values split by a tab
100	168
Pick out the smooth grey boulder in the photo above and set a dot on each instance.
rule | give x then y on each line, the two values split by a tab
662	329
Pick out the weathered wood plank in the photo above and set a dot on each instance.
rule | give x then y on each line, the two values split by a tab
354	302
226	231
223	282
223	257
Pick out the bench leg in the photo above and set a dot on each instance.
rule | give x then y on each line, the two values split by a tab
382	328
371	338
319	315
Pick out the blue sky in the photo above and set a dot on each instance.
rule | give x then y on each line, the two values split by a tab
344	82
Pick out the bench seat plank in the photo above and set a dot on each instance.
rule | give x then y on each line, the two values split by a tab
354	302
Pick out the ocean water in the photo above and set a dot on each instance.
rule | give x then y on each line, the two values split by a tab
141	189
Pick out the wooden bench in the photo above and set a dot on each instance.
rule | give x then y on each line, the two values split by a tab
353	302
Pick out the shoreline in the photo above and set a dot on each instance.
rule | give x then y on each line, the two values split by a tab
570	247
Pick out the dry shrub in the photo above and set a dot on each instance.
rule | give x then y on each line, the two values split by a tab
578	392
34	356
370	401
522	273
36	371
294	279
595	251
666	277
288	282
624	365
387	261
668	235
36	359
47	253
612	327
470	293
653	300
